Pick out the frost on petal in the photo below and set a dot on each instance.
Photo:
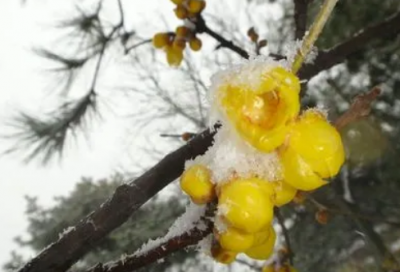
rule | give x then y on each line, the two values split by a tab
248	73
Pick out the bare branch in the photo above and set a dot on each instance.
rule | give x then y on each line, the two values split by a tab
127	198
128	49
328	58
202	27
361	107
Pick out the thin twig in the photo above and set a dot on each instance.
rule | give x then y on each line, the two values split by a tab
202	27
121	13
390	27
337	211
128	49
361	107
285	232
313	33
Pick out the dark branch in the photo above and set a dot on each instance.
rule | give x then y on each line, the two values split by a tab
128	49
127	198
285	232
328	58
202	27
300	18
361	107
136	261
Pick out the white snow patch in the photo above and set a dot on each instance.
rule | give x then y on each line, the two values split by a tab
231	157
186	222
66	231
204	246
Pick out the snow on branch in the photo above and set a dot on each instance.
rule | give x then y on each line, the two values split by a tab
326	59
62	254
188	230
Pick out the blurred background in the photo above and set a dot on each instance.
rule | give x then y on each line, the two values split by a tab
86	103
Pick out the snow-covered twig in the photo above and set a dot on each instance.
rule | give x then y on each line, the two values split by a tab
188	230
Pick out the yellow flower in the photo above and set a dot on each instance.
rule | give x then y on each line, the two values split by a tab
261	115
174	55
196	182
179	43
182	31
318	143
262	236
265	250
235	240
245	204
284	193
181	12
195	44
161	40
297	172
314	151
196	6
222	255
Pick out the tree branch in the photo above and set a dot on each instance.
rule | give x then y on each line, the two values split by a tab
300	18
285	232
127	198
328	58
128	49
136	261
202	27
60	255
361	107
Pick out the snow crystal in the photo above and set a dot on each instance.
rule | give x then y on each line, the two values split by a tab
231	157
65	231
204	246
186	222
290	50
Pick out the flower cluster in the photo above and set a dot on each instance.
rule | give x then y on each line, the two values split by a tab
174	43
265	152
188	8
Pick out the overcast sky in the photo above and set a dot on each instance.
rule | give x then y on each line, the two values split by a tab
21	87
